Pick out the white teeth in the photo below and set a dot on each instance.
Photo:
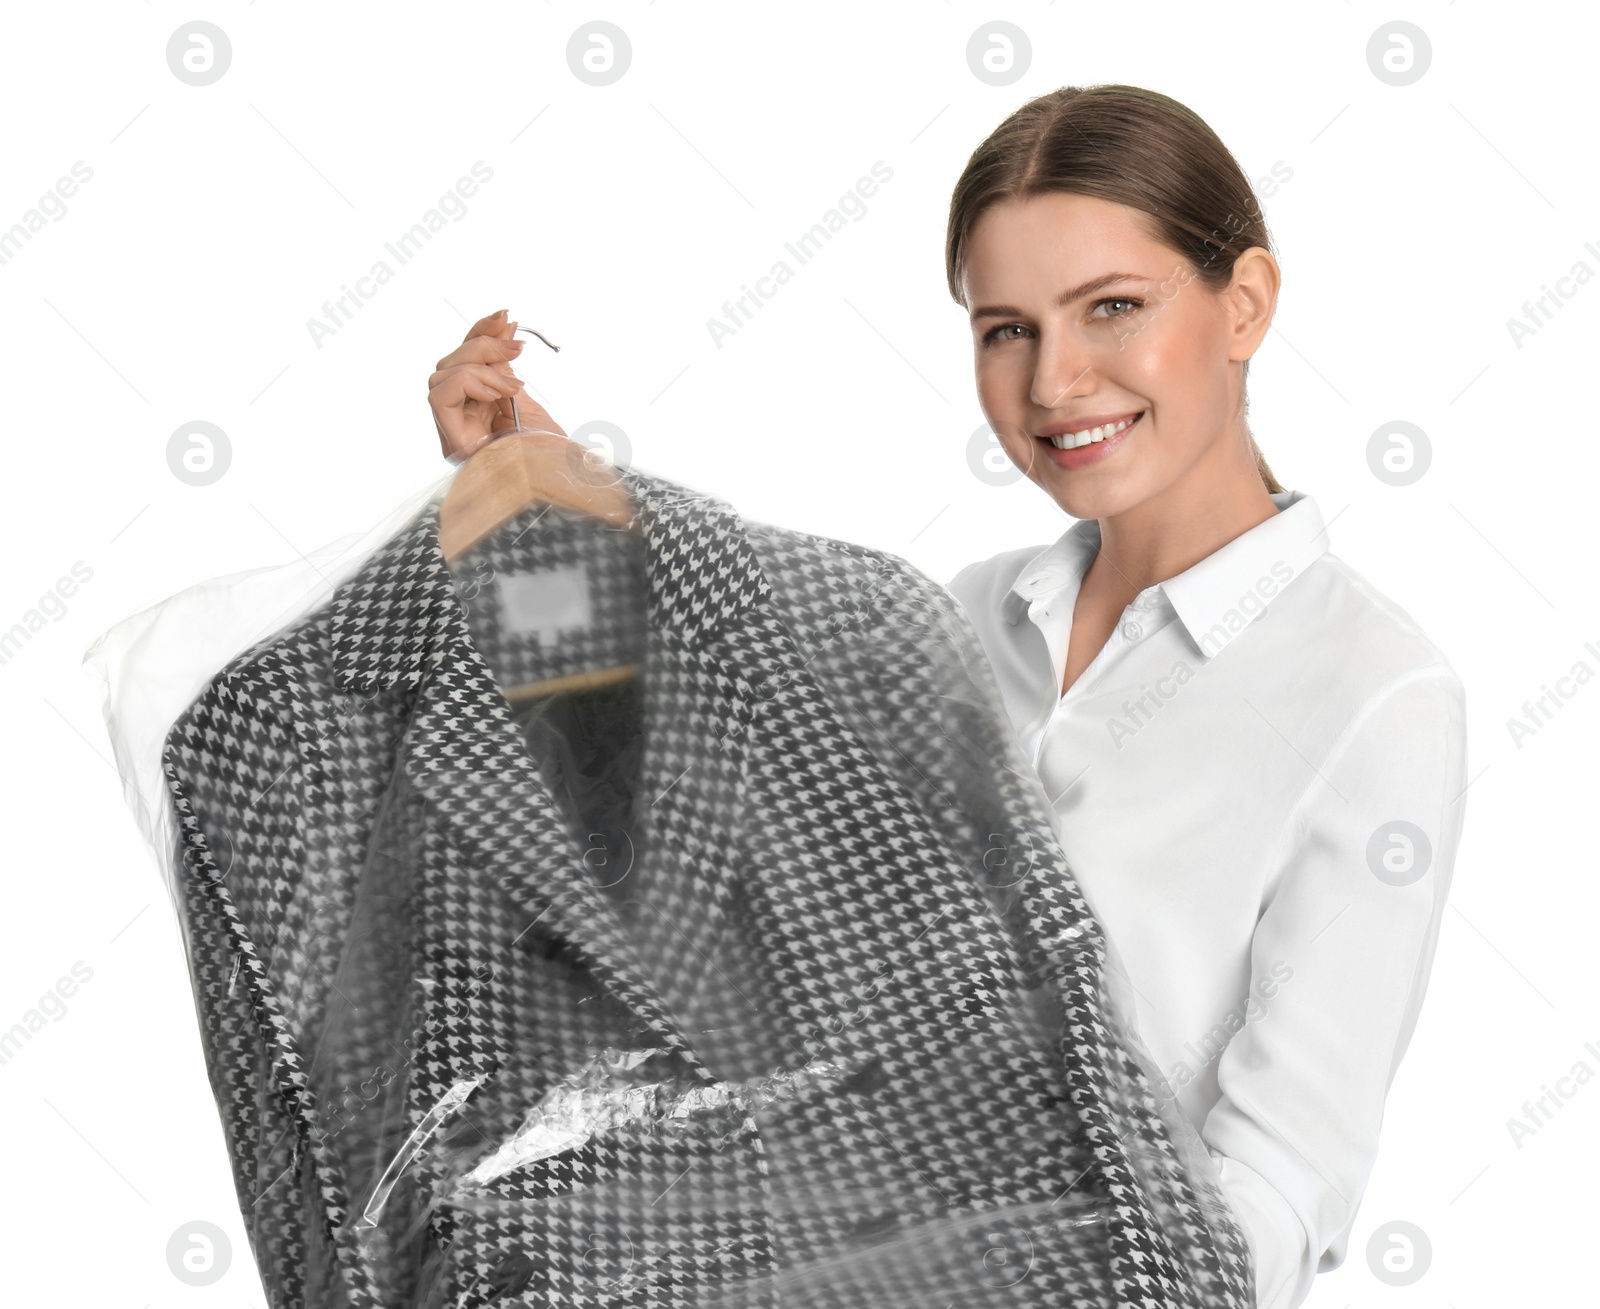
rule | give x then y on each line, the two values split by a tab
1072	440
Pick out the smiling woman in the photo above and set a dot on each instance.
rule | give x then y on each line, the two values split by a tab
1256	759
1123	151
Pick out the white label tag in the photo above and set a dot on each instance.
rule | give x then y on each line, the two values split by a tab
544	603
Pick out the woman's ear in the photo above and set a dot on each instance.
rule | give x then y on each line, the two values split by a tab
1251	299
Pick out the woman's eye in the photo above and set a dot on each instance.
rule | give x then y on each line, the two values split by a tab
1118	300
993	334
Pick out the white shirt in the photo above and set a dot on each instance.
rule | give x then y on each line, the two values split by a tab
1225	777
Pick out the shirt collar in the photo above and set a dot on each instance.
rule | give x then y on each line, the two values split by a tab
1217	597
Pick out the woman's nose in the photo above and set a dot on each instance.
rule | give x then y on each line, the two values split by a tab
1061	370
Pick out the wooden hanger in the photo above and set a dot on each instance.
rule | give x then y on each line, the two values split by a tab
519	468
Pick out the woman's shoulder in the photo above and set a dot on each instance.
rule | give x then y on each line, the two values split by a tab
1351	633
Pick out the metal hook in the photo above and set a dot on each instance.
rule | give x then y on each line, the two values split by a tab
540	335
515	416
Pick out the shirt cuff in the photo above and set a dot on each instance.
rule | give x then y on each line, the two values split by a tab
1279	1246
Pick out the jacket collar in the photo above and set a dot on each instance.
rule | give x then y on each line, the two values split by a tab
398	624
1214	599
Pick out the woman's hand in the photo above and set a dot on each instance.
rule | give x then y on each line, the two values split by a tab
470	390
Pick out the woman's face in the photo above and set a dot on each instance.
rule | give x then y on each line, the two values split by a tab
1081	318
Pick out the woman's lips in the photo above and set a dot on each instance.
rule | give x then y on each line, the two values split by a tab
1084	455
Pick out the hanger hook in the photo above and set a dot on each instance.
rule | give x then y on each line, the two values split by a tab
540	335
516	418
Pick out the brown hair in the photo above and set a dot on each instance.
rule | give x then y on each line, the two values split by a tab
1132	146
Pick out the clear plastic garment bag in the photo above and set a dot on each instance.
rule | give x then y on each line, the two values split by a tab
660	916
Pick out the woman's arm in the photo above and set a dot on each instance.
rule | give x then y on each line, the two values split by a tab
1354	910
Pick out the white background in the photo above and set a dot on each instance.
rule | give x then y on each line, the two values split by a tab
181	279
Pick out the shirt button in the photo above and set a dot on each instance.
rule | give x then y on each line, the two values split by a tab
1132	631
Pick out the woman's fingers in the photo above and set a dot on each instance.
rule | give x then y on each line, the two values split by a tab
487	323
469	401
470	389
483	349
479	381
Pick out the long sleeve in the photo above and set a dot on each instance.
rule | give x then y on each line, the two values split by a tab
1343	946
239	797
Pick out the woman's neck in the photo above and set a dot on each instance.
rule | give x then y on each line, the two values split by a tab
1167	533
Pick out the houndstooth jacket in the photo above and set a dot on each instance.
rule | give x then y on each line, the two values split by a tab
758	980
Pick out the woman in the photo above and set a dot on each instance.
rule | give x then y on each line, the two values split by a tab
1257	761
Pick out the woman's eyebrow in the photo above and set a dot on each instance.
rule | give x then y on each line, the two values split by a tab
1063	300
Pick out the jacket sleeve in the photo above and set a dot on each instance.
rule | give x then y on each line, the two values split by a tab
235	782
1347	935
